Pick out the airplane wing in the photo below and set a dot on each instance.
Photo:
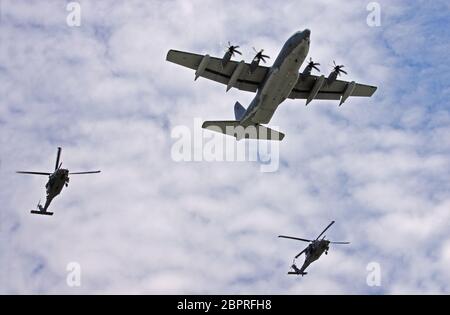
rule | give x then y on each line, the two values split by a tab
308	88
235	74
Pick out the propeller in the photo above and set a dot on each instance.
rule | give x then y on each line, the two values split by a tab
338	69
83	173
313	65
233	49
329	225
34	173
340	243
260	56
295	238
58	156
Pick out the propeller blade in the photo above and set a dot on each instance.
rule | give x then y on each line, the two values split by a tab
58	156
340	243
295	238
82	173
299	254
33	173
332	222
233	49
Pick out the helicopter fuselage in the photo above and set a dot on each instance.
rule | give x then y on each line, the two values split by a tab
56	182
314	251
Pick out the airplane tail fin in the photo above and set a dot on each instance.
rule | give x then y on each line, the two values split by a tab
239	111
235	129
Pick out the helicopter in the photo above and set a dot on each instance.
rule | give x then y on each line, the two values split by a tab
56	182
313	252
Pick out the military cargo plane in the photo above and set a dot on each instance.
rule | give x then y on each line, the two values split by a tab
313	251
272	85
56	182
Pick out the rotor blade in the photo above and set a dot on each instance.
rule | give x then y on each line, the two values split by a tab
33	173
299	254
237	52
340	243
58	155
343	71
82	173
332	222
295	238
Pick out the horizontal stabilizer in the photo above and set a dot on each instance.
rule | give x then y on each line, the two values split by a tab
234	129
297	273
41	212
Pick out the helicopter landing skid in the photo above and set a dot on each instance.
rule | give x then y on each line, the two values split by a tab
41	212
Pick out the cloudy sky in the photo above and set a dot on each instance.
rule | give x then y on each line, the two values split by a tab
148	224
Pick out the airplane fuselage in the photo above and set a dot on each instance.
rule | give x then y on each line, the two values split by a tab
280	80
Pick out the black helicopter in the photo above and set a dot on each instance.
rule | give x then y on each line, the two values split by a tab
56	182
313	251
